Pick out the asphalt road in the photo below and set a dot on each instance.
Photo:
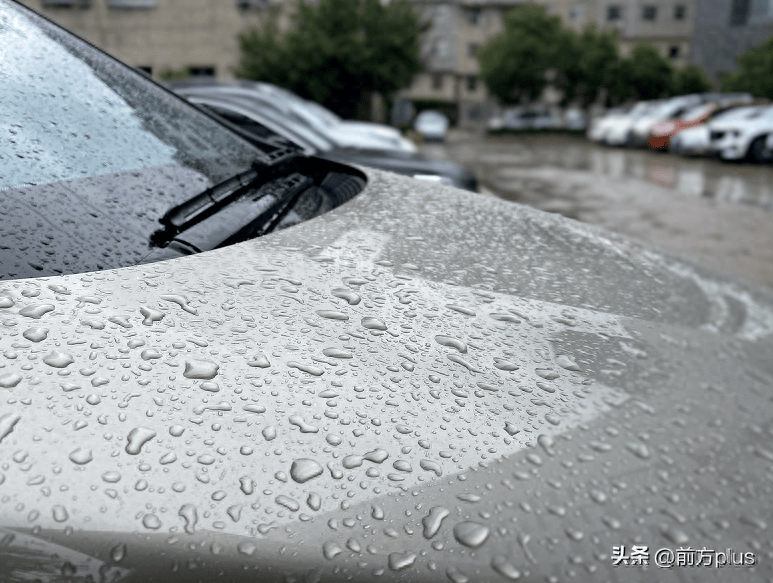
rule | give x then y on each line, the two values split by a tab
710	212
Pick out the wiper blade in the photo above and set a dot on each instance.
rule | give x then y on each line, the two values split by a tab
205	203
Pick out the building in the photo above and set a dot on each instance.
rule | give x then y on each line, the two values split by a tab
181	37
725	29
459	27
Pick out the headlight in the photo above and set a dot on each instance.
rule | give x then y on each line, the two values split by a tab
434	178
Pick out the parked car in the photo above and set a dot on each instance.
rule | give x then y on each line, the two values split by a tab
251	114
526	119
432	125
618	131
670	109
741	138
408	383
575	119
696	140
343	133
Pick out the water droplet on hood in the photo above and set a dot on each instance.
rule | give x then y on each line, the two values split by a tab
190	515
8	381
400	561
304	469
372	323
333	315
138	437
502	565
7	422
433	520
58	359
36	312
35	334
471	534
352	298
200	369
451	343
81	456
151	521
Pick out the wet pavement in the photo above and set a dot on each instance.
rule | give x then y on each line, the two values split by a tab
713	213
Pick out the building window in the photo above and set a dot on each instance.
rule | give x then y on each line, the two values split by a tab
577	13
132	4
437	81
614	13
472	83
201	71
472	50
673	52
679	12
475	16
739	12
649	12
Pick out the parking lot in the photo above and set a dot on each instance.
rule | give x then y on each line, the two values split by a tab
713	213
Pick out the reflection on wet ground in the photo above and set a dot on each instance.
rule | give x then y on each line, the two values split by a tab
731	182
710	212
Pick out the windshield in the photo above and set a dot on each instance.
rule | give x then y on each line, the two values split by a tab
94	153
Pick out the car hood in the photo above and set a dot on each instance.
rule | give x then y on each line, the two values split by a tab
423	384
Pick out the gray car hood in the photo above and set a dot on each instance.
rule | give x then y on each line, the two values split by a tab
423	384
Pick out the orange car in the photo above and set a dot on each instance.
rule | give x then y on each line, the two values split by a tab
661	132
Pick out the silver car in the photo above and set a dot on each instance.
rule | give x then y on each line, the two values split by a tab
409	382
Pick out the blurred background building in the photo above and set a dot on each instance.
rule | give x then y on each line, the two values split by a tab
169	38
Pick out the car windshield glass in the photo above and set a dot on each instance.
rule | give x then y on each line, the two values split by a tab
94	153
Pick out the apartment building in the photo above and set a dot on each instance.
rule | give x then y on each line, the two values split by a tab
725	29
198	37
459	27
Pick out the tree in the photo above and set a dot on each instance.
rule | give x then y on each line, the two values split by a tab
690	79
755	74
336	53
514	64
592	64
644	74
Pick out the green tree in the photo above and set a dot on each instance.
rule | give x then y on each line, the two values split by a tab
644	74
755	74
336	53
515	63
592	64
690	79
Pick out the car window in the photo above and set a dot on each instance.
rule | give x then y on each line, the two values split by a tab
93	153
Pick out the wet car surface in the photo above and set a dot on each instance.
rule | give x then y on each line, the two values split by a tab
422	384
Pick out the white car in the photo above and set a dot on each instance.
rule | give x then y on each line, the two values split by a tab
620	130
744	138
670	109
432	125
696	140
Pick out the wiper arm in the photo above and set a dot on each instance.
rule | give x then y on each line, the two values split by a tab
207	202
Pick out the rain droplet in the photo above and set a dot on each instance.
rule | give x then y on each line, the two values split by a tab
138	437
314	501
460	309
430	466
10	380
348	295
502	565
565	362
200	369
451	343
81	456
433	521
269	433
35	334
373	323
151	521
336	353
400	561
288	503
471	534
304	469
7	422
36	312
330	549
118	553
332	315
190	515
60	513
298	421
176	430
307	368
58	359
